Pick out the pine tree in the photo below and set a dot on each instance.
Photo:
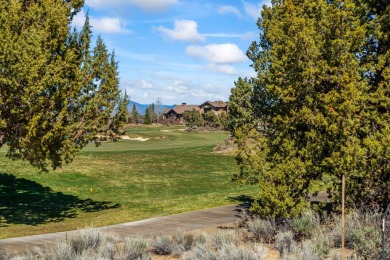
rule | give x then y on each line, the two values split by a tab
55	94
147	118
135	115
317	112
240	105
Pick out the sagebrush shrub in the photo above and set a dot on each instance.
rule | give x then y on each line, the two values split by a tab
221	238
200	252
89	238
263	230
62	250
367	242
134	248
362	233
304	224
322	241
233	252
162	245
307	250
186	240
285	242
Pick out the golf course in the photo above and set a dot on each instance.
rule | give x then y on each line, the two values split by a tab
153	171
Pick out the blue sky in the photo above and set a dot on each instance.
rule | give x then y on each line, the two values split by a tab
177	50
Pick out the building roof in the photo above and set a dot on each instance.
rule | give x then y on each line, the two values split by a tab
180	109
215	104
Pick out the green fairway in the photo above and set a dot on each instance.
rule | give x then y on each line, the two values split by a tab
173	171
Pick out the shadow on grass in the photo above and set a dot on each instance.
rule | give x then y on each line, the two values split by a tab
27	202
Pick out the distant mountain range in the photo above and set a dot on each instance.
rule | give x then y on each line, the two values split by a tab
142	107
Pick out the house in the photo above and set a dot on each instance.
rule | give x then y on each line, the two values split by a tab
176	113
218	107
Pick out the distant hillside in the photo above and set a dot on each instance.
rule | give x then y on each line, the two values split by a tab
142	107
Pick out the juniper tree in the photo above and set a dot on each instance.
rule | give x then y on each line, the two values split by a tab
319	107
56	94
240	105
193	118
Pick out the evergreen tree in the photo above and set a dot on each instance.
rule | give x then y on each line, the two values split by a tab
55	94
193	118
210	119
152	113
120	118
135	115
240	105
319	107
148	117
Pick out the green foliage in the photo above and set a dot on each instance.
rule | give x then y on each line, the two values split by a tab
263	230
362	233
135	248
304	225
193	118
150	115
210	119
135	116
320	103
367	242
56	93
240	105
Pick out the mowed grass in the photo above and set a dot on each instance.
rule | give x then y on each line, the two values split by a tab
172	172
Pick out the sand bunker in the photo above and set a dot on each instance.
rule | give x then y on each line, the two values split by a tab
139	138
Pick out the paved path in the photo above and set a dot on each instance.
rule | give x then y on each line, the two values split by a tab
199	219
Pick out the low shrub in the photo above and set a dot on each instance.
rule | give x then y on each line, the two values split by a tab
90	238
263	230
362	234
366	241
5	254
242	220
307	250
200	252
186	240
285	242
322	242
232	252
222	238
305	224
226	252
134	248
162	245
62	250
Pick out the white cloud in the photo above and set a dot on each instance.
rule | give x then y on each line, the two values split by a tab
146	85
107	24
102	24
226	69
185	30
146	5
228	9
177	87
252	10
217	53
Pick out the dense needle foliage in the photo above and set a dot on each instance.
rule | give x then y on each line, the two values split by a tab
319	104
56	91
